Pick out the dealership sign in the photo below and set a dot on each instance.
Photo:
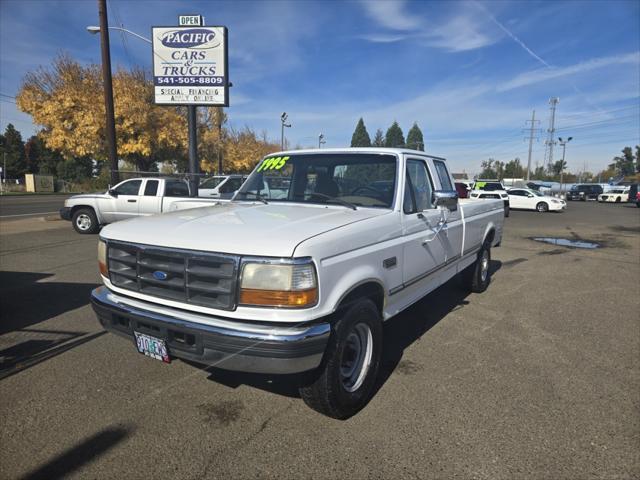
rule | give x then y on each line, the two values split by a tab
190	65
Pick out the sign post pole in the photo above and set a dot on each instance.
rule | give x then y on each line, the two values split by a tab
194	169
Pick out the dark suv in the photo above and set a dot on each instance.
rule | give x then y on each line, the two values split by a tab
584	192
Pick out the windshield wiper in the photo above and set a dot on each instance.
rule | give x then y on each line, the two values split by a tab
259	197
335	199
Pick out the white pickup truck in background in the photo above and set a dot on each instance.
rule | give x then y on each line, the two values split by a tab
301	280
129	199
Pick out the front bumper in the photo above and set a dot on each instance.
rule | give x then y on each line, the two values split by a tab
65	213
244	347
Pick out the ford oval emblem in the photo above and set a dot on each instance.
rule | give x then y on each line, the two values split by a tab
159	275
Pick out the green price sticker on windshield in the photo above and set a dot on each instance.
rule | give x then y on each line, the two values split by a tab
273	163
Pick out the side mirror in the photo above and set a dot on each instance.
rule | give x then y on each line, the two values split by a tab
113	193
446	199
529	195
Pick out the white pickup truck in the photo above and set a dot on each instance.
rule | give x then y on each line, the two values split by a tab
301	281
128	199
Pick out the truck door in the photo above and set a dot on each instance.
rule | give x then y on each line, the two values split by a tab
453	229
150	201
423	249
125	202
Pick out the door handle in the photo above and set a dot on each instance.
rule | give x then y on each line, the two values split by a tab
132	201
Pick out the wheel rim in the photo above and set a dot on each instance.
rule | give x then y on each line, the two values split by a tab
356	357
83	222
541	207
484	266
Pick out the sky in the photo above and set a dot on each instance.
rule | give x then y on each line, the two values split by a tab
470	73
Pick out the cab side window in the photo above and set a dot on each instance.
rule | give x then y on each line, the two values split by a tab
151	188
230	185
176	189
131	187
418	188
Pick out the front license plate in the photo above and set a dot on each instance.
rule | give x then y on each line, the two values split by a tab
152	347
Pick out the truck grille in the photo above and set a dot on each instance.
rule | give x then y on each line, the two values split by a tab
198	278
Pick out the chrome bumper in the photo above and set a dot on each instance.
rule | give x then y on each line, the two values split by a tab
239	346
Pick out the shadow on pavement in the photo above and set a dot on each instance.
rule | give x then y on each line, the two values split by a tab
399	333
25	301
85	452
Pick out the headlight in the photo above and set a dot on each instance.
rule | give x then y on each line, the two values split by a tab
504	195
102	258
553	200
277	284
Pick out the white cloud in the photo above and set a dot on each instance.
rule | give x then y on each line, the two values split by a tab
461	31
391	14
543	74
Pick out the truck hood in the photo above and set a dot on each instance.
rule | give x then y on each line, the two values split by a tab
88	195
272	230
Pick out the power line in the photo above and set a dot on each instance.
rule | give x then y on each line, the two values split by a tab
588	114
580	125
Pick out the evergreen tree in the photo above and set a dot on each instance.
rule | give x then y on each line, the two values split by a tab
360	137
394	137
12	150
378	140
415	139
637	158
39	158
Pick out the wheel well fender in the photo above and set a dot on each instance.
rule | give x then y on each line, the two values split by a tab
75	208
369	288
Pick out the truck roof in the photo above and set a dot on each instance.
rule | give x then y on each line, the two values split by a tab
394	151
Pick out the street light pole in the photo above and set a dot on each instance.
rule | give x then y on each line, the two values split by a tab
283	120
564	149
110	126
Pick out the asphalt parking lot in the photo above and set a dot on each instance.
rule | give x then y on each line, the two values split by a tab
539	377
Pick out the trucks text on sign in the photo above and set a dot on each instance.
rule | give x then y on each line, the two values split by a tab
190	65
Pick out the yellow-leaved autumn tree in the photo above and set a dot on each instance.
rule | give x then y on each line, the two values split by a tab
66	100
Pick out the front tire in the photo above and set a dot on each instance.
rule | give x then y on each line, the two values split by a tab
618	200
507	210
542	207
349	369
85	221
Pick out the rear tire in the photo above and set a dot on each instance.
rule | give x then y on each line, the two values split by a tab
85	221
349	368
542	207
476	277
618	200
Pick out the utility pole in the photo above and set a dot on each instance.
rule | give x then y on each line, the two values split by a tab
321	140
531	137
553	101
283	120
564	148
110	129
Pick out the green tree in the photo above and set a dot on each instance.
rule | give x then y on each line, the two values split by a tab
378	140
513	169
637	158
558	167
12	152
415	139
39	158
488	170
75	169
624	165
394	137
360	137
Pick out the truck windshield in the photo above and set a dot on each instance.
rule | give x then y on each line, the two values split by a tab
367	180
